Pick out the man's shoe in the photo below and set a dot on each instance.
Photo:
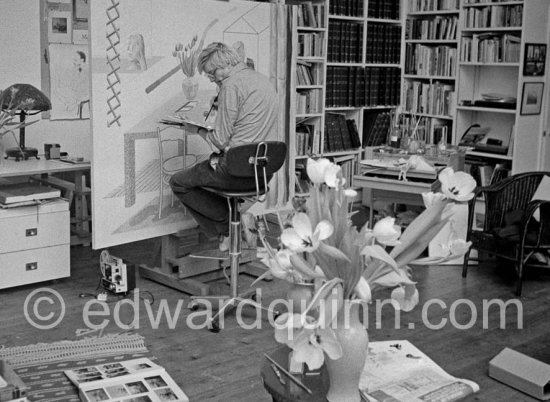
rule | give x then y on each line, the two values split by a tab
224	243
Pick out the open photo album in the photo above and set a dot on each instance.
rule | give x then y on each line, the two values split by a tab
138	380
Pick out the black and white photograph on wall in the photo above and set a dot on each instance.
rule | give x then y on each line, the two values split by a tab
534	61
60	26
531	100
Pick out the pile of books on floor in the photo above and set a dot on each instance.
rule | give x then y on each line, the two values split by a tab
25	194
12	388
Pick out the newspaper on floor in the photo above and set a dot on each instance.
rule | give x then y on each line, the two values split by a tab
397	371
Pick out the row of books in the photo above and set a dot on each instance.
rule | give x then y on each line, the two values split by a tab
345	42
362	86
434	98
440	28
308	101
310	15
308	73
376	127
310	44
383	43
384	9
307	139
467	2
433	5
351	8
493	16
340	134
490	48
430	61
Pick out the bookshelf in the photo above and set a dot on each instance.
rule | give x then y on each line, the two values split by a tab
363	74
308	83
429	79
347	66
493	38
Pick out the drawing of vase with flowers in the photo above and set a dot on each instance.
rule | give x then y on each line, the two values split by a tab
188	58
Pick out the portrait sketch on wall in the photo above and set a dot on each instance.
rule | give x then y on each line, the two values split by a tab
69	81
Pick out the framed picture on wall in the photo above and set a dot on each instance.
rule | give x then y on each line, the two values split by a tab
531	99
81	10
60	26
534	60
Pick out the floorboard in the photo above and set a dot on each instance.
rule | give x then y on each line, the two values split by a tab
225	366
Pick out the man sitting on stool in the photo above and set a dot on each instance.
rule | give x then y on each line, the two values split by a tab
247	113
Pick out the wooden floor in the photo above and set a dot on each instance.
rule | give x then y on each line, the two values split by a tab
225	366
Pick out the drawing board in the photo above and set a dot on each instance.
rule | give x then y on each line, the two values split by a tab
135	82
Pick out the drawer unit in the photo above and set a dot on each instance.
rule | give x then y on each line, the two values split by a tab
34	265
34	243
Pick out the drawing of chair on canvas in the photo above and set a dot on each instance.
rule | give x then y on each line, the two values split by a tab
173	158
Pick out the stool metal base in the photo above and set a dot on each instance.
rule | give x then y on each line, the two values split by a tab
229	304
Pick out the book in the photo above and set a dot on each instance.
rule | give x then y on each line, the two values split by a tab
11	385
20	192
397	370
137	379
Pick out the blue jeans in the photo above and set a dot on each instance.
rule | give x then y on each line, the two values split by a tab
211	211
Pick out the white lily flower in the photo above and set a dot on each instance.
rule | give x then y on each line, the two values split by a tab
316	169
333	176
350	193
307	339
301	237
458	186
362	290
406	297
457	247
432	198
281	267
386	232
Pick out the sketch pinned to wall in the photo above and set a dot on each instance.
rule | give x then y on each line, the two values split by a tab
131	201
69	81
81	10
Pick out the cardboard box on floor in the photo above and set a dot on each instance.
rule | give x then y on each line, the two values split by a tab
521	372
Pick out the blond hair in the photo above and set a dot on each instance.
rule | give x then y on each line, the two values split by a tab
217	55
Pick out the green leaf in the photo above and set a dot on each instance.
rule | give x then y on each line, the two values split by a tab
422	241
303	267
378	252
333	252
417	227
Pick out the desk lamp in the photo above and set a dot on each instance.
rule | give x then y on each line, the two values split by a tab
23	100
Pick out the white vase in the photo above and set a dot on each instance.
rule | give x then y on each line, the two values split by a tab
190	87
345	373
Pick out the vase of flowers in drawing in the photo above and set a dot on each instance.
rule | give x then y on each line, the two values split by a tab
188	58
346	266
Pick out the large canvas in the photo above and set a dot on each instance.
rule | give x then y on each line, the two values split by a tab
137	79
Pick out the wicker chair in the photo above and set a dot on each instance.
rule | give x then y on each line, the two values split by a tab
517	241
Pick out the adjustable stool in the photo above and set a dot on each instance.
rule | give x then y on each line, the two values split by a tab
259	161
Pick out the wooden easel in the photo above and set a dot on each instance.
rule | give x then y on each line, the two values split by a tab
188	261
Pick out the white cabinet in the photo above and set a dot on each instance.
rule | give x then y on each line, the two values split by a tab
34	243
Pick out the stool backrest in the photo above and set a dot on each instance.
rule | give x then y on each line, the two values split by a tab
256	159
259	160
